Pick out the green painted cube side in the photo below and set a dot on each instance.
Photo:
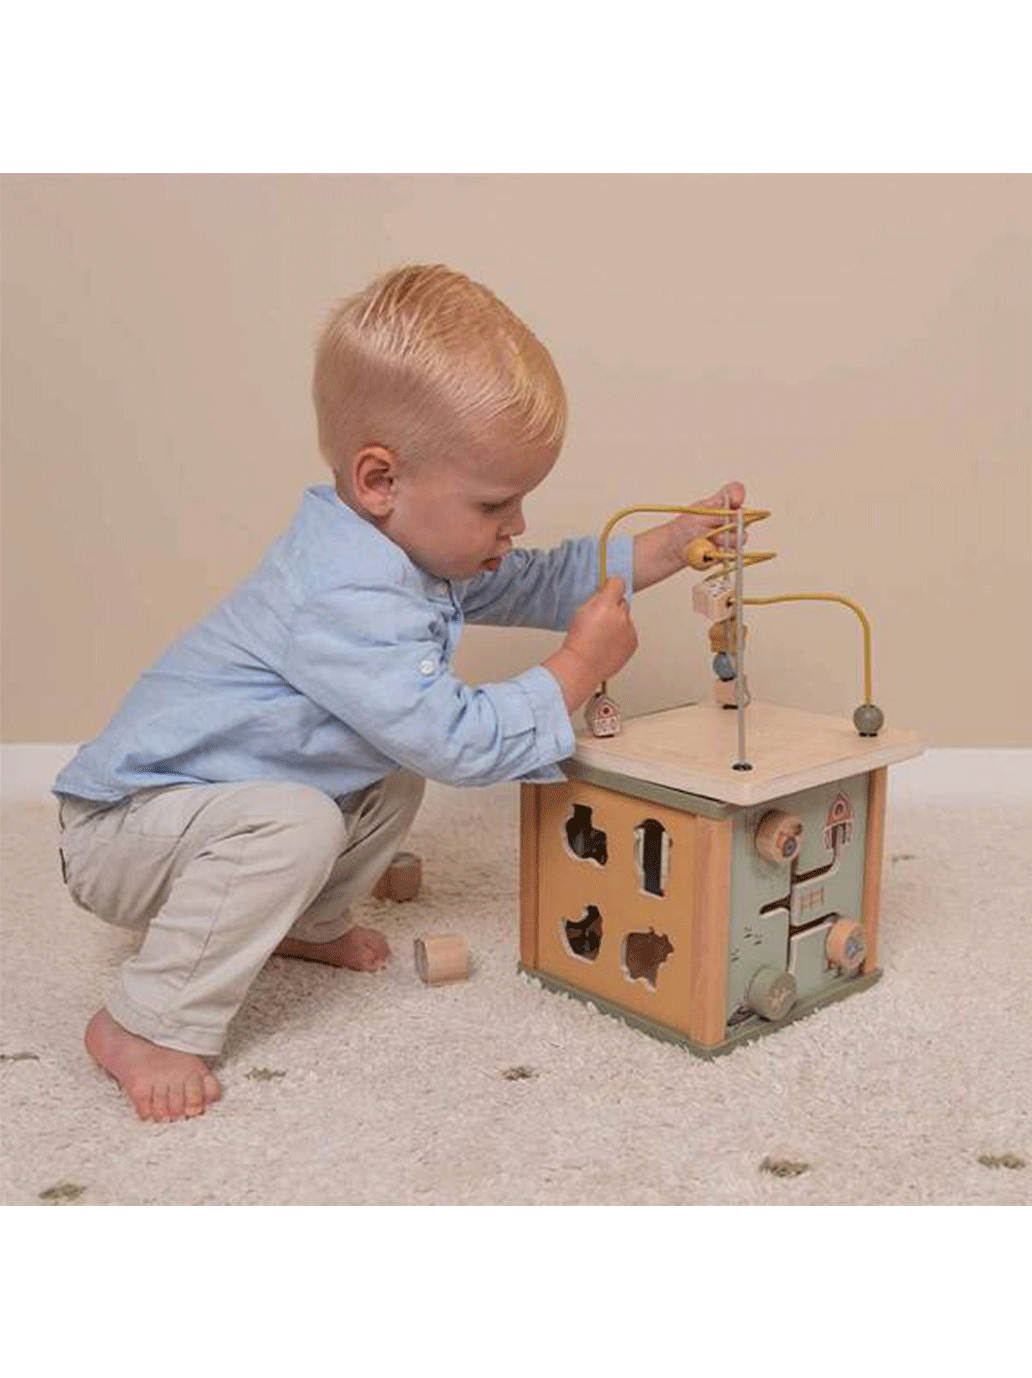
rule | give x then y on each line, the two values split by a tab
760	903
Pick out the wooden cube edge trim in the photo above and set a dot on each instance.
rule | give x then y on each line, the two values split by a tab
710	930
530	809
876	796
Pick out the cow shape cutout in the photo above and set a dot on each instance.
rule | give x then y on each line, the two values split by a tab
644	954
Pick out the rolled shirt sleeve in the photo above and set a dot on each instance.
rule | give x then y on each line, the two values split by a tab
376	659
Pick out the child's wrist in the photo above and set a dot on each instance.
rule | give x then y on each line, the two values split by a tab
577	678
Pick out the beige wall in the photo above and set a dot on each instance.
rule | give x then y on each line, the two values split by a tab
855	348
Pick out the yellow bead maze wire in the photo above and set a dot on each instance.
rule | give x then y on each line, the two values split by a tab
727	561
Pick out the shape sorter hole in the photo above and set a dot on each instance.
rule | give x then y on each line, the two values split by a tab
652	856
583	937
644	954
586	842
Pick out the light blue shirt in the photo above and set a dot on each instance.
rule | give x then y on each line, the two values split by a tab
331	665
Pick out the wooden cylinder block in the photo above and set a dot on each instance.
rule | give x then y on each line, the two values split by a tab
442	957
401	880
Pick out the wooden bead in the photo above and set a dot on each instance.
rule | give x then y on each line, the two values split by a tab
868	719
714	599
442	957
726	691
723	666
702	553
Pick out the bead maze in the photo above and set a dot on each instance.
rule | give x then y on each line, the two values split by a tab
712	872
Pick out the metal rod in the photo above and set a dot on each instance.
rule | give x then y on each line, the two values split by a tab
742	763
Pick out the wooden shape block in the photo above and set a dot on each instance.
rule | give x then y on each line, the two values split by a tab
401	880
442	957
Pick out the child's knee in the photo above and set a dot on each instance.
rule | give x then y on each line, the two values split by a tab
404	794
412	788
316	816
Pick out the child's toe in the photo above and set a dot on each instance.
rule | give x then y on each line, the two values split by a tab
193	1097
176	1100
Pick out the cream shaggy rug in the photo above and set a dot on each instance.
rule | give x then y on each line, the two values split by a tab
343	1088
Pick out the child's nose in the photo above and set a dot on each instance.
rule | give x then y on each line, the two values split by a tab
517	526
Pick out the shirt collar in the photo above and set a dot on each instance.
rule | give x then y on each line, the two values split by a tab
432	586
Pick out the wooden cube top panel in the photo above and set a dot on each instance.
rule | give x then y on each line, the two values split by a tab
695	748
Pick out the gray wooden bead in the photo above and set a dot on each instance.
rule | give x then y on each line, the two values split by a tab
867	720
722	666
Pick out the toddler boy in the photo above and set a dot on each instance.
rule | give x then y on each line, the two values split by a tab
258	779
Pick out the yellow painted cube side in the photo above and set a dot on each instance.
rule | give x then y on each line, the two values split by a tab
692	914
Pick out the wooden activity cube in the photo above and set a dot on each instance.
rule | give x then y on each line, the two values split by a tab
705	905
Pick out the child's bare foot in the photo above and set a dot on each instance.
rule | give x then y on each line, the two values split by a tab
361	949
162	1083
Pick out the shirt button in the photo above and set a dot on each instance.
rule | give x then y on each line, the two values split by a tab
426	667
443	590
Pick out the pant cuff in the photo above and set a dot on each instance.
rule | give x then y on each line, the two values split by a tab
320	934
166	1033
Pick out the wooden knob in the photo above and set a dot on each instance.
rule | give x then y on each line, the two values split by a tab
701	553
846	945
777	837
771	993
442	957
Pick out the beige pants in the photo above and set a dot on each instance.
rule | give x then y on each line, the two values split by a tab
216	876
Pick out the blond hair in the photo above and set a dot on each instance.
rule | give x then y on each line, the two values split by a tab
424	360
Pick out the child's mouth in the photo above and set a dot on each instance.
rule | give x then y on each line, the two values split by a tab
493	564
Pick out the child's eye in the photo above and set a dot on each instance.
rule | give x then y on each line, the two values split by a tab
492	506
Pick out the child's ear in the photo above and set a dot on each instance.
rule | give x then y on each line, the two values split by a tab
374	475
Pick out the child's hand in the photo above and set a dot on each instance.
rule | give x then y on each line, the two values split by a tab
732	494
602	633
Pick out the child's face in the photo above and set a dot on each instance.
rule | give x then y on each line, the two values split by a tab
459	519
